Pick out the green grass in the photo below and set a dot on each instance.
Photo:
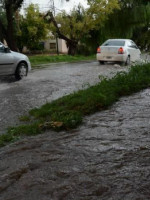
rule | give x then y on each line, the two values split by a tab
24	118
67	112
45	59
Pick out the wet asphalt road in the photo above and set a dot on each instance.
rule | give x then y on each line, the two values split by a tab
107	158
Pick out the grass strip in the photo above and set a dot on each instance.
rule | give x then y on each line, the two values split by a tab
67	112
45	59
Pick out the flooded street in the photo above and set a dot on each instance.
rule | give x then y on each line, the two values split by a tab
45	85
107	158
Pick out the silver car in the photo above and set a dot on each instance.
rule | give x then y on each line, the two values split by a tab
118	50
13	63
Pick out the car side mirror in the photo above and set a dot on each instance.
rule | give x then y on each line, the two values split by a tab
7	50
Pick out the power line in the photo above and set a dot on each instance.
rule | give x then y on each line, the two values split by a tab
51	6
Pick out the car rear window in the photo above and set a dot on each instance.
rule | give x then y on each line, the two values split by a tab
113	43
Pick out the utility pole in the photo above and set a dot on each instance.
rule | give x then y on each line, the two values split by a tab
52	6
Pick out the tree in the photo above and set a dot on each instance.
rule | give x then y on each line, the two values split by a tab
76	21
81	21
8	29
141	34
129	22
32	28
3	18
132	3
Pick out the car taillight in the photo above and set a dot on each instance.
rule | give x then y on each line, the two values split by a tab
120	50
98	50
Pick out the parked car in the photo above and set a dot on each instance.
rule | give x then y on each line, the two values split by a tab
13	63
118	50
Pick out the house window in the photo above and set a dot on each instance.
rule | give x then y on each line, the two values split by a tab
52	45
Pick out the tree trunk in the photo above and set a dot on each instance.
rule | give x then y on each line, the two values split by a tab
10	38
71	48
71	43
10	7
2	31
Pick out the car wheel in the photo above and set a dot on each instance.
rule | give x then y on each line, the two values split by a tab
127	61
101	62
21	71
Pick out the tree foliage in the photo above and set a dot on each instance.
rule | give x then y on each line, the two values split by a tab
132	3
3	19
100	21
81	21
9	7
99	10
33	29
129	22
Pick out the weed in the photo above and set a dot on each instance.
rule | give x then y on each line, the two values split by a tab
24	118
67	112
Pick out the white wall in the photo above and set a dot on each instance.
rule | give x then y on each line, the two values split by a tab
61	45
62	48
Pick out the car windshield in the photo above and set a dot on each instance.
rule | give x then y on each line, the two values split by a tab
114	43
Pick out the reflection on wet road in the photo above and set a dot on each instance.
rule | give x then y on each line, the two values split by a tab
107	158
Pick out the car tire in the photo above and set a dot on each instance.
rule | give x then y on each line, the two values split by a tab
21	71
127	61
101	62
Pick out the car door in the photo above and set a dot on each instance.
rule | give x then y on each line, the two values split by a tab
134	51
6	61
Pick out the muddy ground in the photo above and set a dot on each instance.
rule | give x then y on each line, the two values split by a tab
107	158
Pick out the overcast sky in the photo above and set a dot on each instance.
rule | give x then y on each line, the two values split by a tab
59	4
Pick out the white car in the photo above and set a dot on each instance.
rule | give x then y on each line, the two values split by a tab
118	50
13	63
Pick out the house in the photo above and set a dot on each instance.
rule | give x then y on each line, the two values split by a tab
55	45
52	45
